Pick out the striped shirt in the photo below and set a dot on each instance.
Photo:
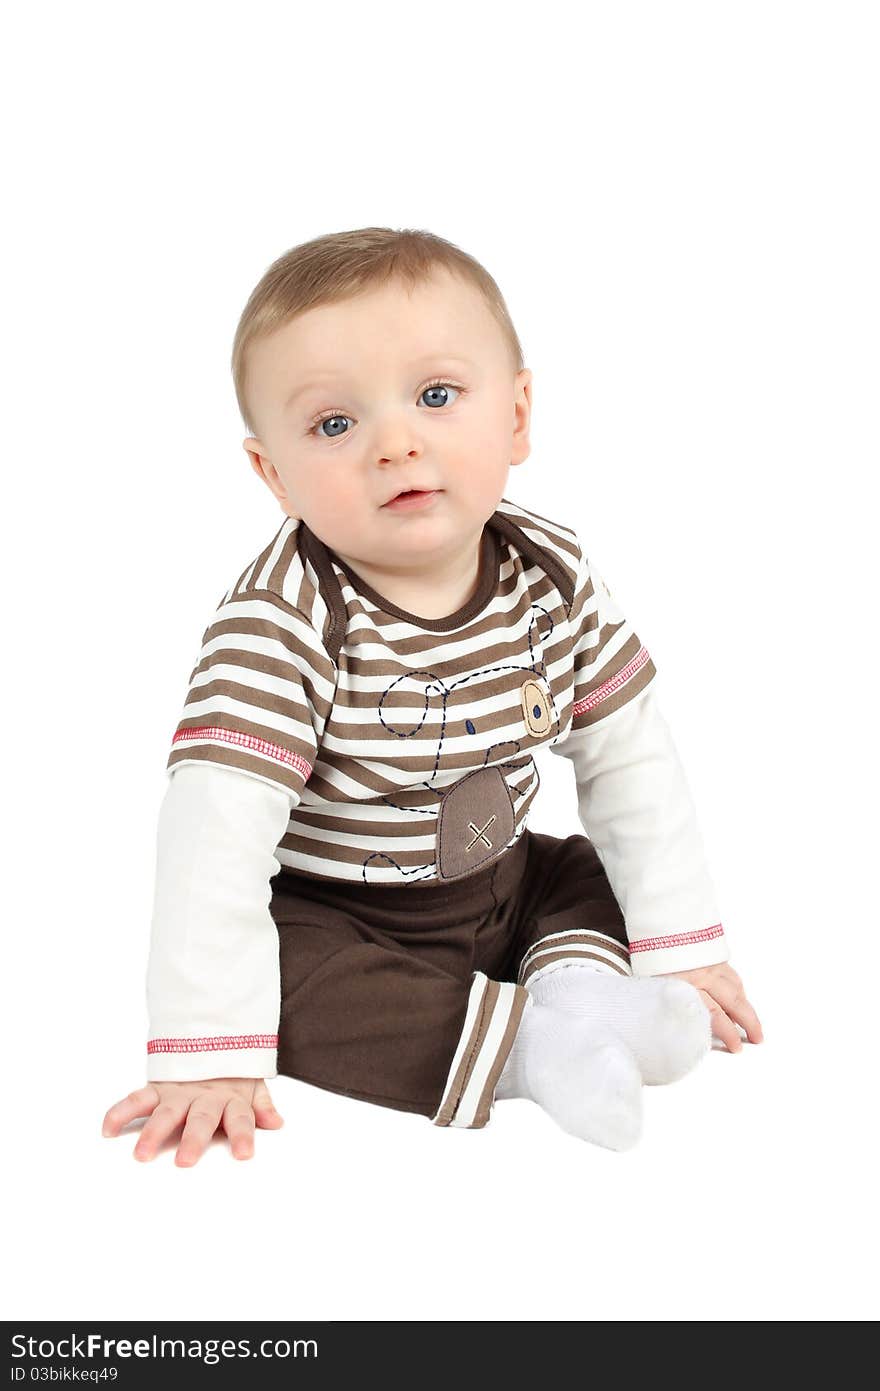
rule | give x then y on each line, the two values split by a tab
382	747
367	716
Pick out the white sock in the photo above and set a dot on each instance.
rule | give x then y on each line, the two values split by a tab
663	1023
579	1073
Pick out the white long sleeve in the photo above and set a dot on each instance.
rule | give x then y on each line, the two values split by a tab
635	806
213	979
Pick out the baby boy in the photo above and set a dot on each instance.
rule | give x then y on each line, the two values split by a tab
347	889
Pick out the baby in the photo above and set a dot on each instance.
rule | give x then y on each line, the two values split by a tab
347	891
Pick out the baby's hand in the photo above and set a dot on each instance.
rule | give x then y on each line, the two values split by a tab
236	1102
723	994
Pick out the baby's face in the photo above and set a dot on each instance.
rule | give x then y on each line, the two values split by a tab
386	391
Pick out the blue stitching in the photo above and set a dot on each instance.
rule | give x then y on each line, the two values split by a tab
444	689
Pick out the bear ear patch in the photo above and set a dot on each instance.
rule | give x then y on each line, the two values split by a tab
535	707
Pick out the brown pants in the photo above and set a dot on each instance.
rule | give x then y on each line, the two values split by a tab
410	995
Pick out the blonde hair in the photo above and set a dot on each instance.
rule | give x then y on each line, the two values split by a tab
340	264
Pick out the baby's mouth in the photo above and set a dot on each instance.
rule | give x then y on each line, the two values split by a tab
410	492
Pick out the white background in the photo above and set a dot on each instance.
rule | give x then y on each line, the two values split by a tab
679	202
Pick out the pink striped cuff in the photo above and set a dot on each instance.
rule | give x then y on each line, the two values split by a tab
613	684
219	1042
680	939
245	741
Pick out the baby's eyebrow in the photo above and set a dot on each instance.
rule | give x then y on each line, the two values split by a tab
318	378
307	385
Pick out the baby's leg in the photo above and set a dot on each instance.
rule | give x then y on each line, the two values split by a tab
384	1023
408	1025
388	1004
571	953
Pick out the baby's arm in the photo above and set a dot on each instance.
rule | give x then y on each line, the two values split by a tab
213	981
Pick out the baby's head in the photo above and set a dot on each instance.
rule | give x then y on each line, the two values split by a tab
374	361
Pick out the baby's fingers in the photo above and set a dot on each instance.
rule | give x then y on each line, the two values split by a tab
267	1117
722	1027
162	1122
139	1103
740	1010
238	1122
732	999
201	1122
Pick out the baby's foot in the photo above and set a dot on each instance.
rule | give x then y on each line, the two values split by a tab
579	1073
663	1023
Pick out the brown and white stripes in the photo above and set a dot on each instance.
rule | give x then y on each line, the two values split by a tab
560	949
494	1011
367	715
493	1015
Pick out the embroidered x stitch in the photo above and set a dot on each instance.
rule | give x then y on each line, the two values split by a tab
481	834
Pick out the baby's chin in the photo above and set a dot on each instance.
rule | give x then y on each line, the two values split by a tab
438	527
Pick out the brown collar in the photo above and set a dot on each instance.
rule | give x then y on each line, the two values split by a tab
498	526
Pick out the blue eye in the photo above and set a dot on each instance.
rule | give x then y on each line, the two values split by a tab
330	420
437	392
536	711
469	726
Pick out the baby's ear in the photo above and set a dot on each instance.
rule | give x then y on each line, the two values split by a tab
266	471
254	450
